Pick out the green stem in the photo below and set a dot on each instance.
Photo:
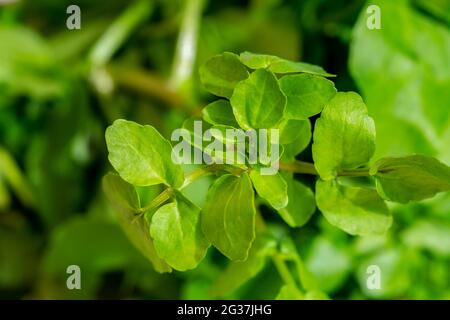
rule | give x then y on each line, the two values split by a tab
284	273
118	32
167	193
186	49
156	203
297	167
308	168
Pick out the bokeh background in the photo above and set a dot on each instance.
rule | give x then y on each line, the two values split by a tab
60	89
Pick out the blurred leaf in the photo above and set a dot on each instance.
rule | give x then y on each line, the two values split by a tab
428	235
117	33
26	63
238	273
412	51
221	73
357	211
11	173
410	178
289	292
125	200
323	254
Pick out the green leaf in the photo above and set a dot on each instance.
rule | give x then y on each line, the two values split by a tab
299	144
289	252
280	65
410	107
219	112
292	130
27	64
258	101
306	95
141	155
11	173
433	236
301	205
289	292
324	252
221	73
357	211
272	188
237	273
177	234
228	216
125	200
410	178
344	135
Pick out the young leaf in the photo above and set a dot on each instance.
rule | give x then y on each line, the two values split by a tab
221	73
291	130
141	155
228	216
306	94
239	272
344	135
301	205
258	101
299	144
177	234
280	65
125	200
410	178
357	211
272	188
219	112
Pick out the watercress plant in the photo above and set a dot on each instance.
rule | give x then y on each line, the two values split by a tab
261	91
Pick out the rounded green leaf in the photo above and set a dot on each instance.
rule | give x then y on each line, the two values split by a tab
258	101
177	234
271	188
344	135
299	144
301	205
219	112
410	178
280	65
292	130
357	211
306	94
125	200
221	73
228	216
141	155
239	272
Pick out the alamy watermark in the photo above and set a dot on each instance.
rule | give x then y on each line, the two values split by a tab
226	145
373	281
373	21
73	22
74	279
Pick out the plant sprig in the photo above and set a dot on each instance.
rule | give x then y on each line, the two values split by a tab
262	91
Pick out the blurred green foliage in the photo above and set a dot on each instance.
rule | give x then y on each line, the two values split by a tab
59	90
